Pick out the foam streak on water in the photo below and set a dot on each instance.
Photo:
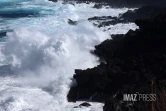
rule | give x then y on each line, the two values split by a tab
41	50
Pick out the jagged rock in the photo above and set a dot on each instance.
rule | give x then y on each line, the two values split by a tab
76	107
71	22
98	6
133	62
126	3
144	12
102	18
85	104
53	0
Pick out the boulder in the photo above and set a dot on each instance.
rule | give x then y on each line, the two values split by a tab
71	22
85	104
53	0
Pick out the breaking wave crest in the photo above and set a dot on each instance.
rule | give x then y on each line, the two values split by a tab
39	54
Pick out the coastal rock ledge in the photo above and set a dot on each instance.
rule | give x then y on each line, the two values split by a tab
134	62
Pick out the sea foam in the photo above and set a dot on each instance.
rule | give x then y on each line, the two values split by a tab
39	55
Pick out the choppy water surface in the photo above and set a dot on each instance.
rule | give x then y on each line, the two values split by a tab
39	51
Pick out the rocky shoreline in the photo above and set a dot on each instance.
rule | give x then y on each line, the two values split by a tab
129	63
144	12
118	3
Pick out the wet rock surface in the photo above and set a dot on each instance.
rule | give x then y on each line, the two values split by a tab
144	12
133	62
125	3
85	104
53	0
71	22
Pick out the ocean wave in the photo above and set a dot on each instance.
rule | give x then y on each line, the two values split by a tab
39	55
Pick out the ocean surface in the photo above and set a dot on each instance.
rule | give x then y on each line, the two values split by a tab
39	51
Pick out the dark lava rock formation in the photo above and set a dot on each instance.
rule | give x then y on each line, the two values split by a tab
130	63
125	3
53	0
118	3
71	22
144	12
85	104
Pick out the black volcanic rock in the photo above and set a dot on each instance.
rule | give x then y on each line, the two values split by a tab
126	3
98	6
53	0
134	62
144	12
71	22
85	104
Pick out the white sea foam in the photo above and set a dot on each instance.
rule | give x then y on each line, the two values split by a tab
40	54
124	28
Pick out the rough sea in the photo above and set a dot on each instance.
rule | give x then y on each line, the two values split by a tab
39	51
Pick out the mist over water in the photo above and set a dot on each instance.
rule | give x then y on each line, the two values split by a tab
39	51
